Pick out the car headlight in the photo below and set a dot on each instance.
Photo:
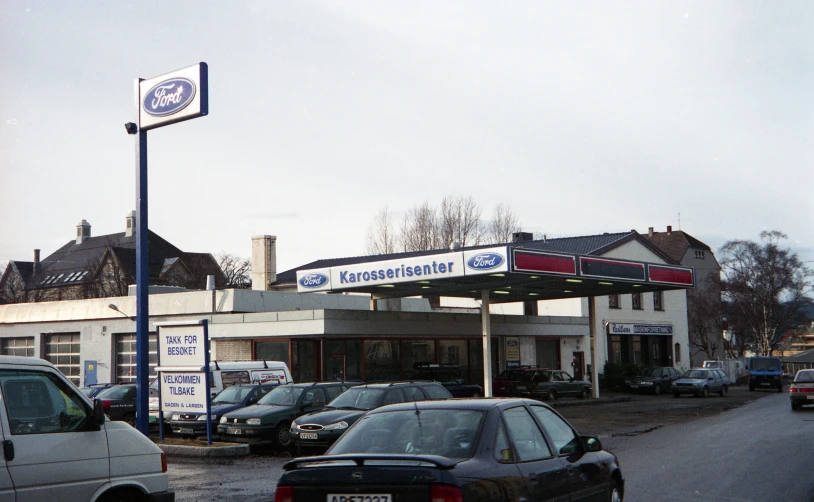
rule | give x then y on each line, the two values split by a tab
176	416
698	384
336	426
223	419
203	417
253	421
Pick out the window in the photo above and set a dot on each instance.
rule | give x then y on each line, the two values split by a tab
658	300
62	350
18	346
126	357
414	394
394	396
527	437
436	391
381	360
229	378
613	301
699	255
315	396
271	351
616	348
565	439
678	352
40	403
503	450
637	301
332	392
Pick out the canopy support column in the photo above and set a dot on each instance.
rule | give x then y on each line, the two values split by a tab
592	324
487	343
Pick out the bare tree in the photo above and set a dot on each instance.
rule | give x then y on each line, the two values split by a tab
12	288
459	220
705	322
381	237
419	230
504	223
238	271
766	286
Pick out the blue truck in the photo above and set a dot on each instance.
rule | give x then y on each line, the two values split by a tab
765	372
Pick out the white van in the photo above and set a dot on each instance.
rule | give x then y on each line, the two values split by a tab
58	445
226	374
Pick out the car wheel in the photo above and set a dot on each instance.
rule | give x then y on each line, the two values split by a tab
125	495
281	436
615	495
657	390
584	393
705	392
551	395
723	391
780	388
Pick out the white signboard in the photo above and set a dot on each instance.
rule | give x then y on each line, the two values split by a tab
183	392
265	376
173	97
618	328
182	346
413	269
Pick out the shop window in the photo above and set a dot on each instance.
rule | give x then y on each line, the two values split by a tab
613	301
23	346
637	301
62	350
271	351
126	357
616	349
658	300
381	360
416	351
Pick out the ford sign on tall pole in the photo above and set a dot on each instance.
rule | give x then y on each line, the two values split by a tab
163	100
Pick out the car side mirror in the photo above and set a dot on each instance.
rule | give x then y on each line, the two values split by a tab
592	443
98	412
252	400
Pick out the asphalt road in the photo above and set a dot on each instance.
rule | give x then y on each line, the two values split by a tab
747	446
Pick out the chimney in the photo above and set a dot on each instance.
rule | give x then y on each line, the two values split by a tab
522	236
82	231
130	229
669	229
650	231
264	262
36	262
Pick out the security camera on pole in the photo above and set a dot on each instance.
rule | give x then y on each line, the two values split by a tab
163	100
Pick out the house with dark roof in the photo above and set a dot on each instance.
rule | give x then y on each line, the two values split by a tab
103	266
704	314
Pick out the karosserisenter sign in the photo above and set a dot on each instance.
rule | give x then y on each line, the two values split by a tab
500	274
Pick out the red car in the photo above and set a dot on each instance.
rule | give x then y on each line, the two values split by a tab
504	384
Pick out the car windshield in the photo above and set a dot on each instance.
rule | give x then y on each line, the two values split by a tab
696	374
804	376
450	433
118	392
766	364
358	398
232	395
655	372
282	396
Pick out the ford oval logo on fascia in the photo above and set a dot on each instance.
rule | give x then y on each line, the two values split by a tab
173	97
486	261
312	280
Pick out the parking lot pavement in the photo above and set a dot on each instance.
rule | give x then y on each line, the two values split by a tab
646	412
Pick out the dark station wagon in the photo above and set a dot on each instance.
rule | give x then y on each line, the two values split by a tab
458	450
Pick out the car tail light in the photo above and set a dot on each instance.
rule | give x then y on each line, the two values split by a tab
163	463
105	404
284	494
445	493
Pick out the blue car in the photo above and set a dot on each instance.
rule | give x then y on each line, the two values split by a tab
229	399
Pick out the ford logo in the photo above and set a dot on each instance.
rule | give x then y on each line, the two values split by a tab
313	280
168	97
485	261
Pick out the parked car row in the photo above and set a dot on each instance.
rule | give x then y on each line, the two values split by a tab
539	383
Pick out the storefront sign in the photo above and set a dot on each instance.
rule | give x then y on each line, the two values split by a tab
512	352
615	328
414	269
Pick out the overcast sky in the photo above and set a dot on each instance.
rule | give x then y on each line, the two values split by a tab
584	117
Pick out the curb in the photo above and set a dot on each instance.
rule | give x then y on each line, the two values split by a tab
580	402
238	450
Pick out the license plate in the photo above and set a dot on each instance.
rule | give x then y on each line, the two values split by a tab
634	386
766	384
809	397
186	431
314	435
372	497
232	430
521	387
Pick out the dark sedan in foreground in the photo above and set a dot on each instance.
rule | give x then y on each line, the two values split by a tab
462	450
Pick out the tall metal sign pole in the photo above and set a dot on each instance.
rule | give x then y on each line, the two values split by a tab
163	100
